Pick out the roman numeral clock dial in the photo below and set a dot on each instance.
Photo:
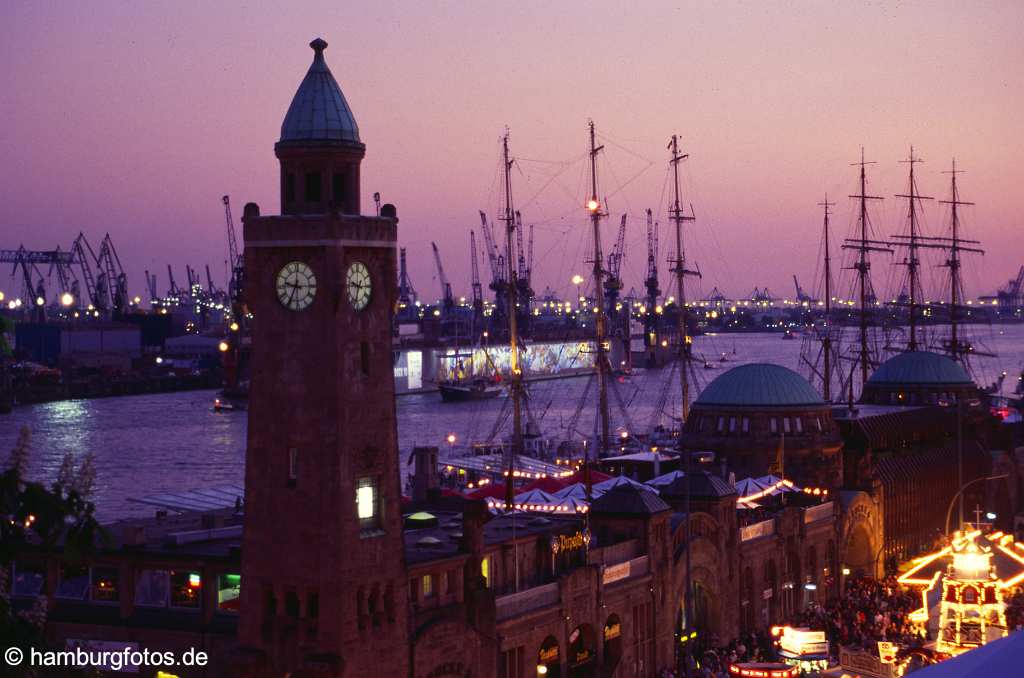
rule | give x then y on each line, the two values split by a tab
296	285
357	282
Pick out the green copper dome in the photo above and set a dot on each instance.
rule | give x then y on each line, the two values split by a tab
760	385
916	368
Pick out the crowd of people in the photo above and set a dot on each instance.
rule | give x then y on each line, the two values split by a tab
868	611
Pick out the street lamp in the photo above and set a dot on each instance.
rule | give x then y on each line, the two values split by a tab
952	502
577	280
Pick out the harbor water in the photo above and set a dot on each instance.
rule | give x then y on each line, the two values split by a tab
173	442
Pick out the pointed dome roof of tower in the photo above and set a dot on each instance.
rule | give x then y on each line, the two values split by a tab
319	112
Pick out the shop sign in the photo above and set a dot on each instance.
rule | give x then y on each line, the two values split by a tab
866	664
803	641
886	652
612	631
561	543
582	657
767	593
548	655
613	573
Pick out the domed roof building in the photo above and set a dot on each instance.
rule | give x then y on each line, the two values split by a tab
918	378
751	413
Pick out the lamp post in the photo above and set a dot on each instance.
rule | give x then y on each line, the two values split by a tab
952	502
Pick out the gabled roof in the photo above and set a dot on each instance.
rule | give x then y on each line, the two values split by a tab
318	111
703	484
627	499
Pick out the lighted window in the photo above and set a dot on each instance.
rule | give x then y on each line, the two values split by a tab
229	591
28	580
721	424
485	571
785	424
428	585
774	424
368	503
151	588
732	424
746	424
74	583
105	587
799	424
312	187
186	589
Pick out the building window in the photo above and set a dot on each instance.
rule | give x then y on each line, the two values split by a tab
313	605
105	587
186	589
785	425
291	604
446	586
289	187
732	424
774	423
485	571
28	580
818	421
151	588
700	424
229	590
746	424
428	585
338	188
368	503
721	424
74	583
364	358
511	665
312	187
293	467
799	424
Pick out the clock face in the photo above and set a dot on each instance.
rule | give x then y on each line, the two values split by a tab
296	285
357	281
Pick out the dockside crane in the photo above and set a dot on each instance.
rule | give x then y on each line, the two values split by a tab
151	286
406	293
117	281
653	290
478	293
172	290
236	261
447	300
801	296
95	286
1012	293
498	283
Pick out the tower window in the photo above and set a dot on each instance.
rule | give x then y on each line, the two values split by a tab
774	423
746	424
721	424
291	604
428	585
312	187
785	424
338	188
799	425
364	358
368	503
732	424
289	187
293	467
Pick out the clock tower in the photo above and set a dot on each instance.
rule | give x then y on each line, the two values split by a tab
324	588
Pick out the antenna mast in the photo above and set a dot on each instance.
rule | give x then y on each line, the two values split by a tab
594	207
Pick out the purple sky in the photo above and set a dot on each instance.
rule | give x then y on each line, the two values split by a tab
134	118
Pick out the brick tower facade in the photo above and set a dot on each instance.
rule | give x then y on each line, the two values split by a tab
324	588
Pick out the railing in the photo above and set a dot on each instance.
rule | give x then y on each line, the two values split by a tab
819	512
764	528
514	604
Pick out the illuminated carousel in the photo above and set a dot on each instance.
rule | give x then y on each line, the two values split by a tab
963	588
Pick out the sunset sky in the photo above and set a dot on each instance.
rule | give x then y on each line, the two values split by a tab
135	117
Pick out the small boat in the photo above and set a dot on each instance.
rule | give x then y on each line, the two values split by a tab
477	388
789	334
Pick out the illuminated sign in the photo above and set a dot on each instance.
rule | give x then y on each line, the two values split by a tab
764	670
612	631
548	655
561	543
803	641
886	652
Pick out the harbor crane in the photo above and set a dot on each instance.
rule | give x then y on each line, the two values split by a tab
478	294
236	261
117	282
406	293
801	296
1012	293
447	300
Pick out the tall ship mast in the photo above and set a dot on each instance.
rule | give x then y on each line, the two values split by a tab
512	451
826	336
913	243
957	349
678	218
600	330
863	245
